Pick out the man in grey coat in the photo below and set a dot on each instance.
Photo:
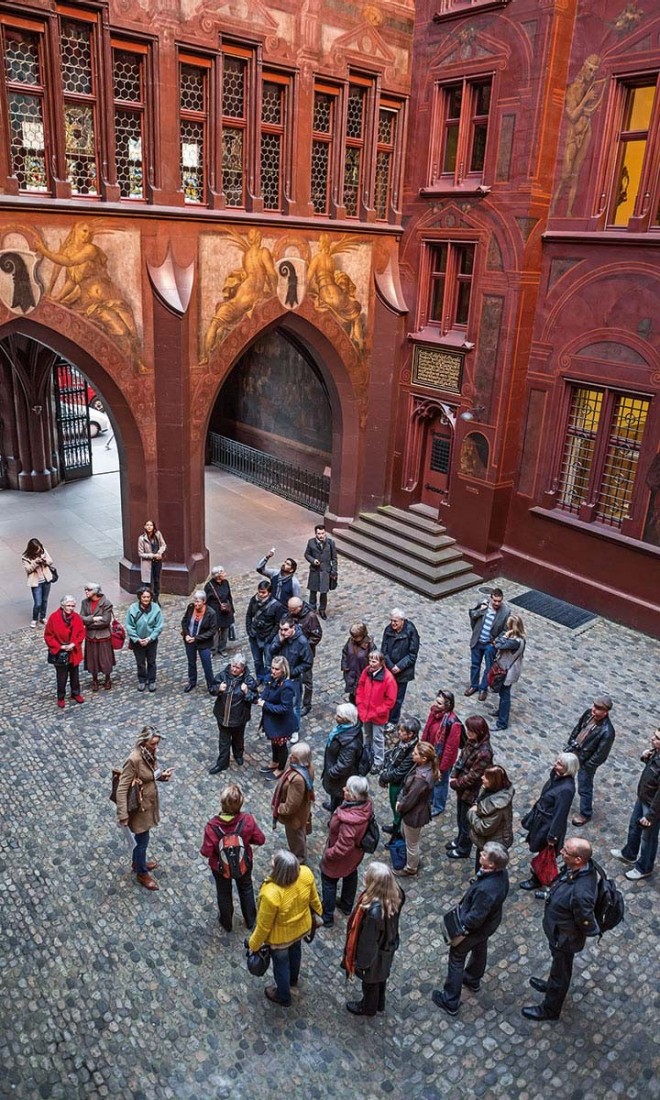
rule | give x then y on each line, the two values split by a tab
322	557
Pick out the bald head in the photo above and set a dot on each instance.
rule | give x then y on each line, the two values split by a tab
576	852
294	605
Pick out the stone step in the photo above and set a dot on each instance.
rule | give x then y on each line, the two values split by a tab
411	519
457	577
368	536
385	525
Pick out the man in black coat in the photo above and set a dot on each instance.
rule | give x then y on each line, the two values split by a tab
480	914
567	921
290	642
236	692
261	622
321	554
308	621
591	741
400	646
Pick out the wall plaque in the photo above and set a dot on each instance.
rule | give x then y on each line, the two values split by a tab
437	370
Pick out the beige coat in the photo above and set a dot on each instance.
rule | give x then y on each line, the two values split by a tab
145	554
36	572
295	807
148	816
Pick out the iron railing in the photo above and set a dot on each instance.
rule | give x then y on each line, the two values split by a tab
274	474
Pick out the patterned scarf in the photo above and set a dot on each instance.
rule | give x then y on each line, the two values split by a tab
148	757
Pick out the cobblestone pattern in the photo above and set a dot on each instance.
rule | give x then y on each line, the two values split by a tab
113	991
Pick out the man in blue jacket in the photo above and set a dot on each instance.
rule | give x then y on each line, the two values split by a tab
480	913
400	647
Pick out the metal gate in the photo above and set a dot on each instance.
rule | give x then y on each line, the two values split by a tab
274	474
72	419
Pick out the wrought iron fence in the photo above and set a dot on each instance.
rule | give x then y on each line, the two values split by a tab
274	474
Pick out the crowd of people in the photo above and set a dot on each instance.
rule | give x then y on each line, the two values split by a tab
421	763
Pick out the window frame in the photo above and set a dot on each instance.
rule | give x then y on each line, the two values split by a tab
203	118
330	139
95	98
467	120
141	108
39	91
362	144
452	279
393	150
645	215
281	130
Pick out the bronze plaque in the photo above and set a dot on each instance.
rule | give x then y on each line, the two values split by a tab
437	370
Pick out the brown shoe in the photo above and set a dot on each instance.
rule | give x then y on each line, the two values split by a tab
108	683
95	685
483	695
470	691
148	882
405	872
150	866
579	820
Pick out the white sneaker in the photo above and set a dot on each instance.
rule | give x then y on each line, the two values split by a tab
295	737
634	874
618	854
34	625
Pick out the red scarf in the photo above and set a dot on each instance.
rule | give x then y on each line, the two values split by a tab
352	936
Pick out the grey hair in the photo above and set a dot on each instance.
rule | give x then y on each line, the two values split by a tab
89	587
496	853
570	762
238	659
285	869
199	594
67	599
301	753
217	569
347	712
145	734
358	788
397	613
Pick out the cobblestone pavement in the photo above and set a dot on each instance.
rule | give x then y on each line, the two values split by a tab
109	990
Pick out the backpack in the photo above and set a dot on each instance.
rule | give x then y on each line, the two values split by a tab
366	760
233	859
609	909
371	837
117	634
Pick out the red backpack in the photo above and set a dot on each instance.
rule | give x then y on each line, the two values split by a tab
233	859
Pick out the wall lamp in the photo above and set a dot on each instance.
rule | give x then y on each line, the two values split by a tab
474	413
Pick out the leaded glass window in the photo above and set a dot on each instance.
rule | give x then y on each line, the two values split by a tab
273	110
192	131
386	143
78	80
128	85
234	126
325	107
354	150
25	95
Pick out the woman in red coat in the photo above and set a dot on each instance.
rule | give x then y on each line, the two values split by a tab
375	697
64	635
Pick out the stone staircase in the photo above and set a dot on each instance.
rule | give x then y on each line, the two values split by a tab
409	548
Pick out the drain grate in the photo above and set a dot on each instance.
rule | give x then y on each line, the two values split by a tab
558	611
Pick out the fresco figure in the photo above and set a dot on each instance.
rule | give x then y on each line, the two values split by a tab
583	97
332	289
243	289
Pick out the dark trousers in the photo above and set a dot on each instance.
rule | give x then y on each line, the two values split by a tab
307	679
329	894
230	737
373	997
72	674
323	600
258	649
286	968
401	690
145	659
463	842
223	888
559	980
192	653
456	968
280	754
140	852
585	786
156	567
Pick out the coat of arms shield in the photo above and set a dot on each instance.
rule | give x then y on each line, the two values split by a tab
20	286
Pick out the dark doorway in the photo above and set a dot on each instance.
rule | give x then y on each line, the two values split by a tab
72	418
437	461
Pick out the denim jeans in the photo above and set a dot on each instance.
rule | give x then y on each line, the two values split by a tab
140	852
40	595
286	968
585	786
258	649
329	894
642	843
440	792
504	708
373	735
482	651
192	653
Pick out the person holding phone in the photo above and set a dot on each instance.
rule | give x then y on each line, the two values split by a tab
140	812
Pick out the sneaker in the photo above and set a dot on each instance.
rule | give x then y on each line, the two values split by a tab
633	874
618	854
78	698
34	624
152	687
295	737
142	687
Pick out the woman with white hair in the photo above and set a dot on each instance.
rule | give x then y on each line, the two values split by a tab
547	821
293	797
96	614
343	851
372	937
198	627
219	599
236	691
342	753
64	636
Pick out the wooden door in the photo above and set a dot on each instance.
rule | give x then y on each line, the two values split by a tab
437	461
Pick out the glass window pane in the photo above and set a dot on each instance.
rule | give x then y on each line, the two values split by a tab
128	150
323	112
233	87
583	421
79	148
382	183
620	468
28	157
478	147
437	299
270	170
352	181
640	105
454	98
439	259
193	88
463	303
451	145
465	260
355	112
232	166
271	103
21	57
320	159
192	160
76	53
127	76
627	186
482	100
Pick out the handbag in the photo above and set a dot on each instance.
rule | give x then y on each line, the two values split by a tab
117	634
332	582
54	575
258	961
134	799
398	853
452	927
544	865
496	677
60	658
116	776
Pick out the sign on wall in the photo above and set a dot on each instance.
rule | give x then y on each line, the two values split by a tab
437	369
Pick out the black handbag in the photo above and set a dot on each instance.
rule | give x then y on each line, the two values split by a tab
60	658
258	961
452	927
54	575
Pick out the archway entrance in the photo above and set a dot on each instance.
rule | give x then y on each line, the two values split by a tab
272	422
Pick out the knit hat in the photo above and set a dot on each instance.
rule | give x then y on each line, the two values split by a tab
604	701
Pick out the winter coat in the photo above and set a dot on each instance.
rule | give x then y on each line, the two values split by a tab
262	619
596	747
475	757
413	802
250	832
144	624
206	630
375	696
37	571
548	817
217	593
296	650
145	554
148	816
481	907
283	586
294	795
103	610
491	817
648	788
509	654
310	625
233	707
354	658
398	763
348	825
341	758
444	731
497	626
278	717
568	917
284	912
378	939
58	633
319	575
400	650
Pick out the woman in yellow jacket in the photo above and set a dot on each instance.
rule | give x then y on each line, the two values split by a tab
284	916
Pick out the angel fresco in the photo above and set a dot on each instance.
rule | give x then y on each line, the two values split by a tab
87	287
332	289
243	288
583	97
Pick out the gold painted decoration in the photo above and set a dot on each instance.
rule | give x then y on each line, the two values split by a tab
332	290
243	289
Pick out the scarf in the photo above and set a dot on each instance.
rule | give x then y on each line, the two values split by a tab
333	733
301	769
148	757
352	936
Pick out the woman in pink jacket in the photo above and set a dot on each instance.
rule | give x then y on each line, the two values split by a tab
375	697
